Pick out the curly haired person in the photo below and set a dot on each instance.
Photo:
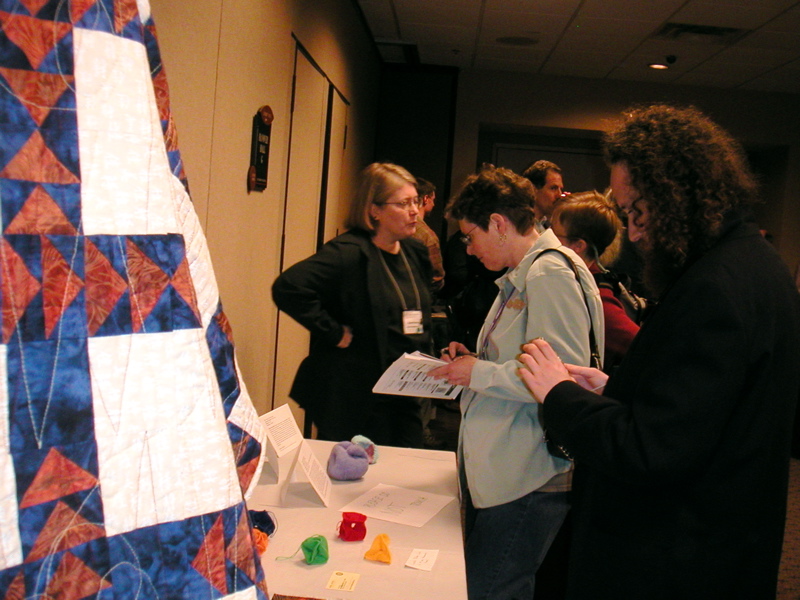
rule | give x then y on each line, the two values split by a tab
682	455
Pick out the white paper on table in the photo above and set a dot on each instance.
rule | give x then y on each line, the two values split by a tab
282	430
398	505
314	472
422	560
407	376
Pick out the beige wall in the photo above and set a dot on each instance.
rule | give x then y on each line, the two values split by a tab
754	118
224	59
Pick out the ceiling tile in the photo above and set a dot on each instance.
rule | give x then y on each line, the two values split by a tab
714	79
445	34
574	69
633	72
546	7
788	22
376	7
511	53
380	17
736	74
505	65
651	10
725	14
744	56
384	29
602	38
507	23
686	55
442	12
785	80
596	62
444	55
592	26
772	40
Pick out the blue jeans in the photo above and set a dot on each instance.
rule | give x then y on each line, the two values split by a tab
505	544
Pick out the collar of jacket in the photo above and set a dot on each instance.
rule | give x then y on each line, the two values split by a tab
518	275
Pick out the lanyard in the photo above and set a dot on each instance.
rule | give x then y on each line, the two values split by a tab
394	281
485	345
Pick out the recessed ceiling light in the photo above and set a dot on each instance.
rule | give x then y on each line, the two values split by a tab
668	60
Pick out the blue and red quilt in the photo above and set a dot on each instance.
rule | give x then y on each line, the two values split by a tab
128	442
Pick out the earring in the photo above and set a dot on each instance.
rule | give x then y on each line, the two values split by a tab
503	238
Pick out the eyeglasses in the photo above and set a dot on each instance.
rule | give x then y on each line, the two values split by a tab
416	202
467	237
632	214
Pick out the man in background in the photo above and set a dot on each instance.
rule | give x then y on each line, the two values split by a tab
548	186
427	195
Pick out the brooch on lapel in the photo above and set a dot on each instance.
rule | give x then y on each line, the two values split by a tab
516	304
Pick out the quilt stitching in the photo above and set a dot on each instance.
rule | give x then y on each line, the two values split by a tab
63	290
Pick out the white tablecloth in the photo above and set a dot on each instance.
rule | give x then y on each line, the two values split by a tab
304	516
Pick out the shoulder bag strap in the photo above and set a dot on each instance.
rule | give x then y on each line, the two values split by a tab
596	362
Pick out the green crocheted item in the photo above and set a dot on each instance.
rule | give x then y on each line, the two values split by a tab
315	550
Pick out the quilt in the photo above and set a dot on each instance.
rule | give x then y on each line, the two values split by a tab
128	442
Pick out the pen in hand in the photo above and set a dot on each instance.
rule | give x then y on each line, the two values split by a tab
454	351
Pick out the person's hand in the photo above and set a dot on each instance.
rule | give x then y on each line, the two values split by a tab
453	350
543	369
347	337
457	372
588	378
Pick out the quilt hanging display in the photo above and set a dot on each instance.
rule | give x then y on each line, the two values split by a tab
128	442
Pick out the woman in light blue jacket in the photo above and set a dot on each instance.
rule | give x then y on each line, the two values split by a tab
515	491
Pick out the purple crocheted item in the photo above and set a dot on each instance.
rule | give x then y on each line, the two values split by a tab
347	461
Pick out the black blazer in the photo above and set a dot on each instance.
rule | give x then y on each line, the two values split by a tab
343	284
682	466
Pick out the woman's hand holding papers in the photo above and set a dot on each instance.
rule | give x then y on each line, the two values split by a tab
458	371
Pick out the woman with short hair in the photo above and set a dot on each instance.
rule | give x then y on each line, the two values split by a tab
514	490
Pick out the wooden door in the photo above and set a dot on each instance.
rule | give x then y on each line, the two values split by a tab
301	212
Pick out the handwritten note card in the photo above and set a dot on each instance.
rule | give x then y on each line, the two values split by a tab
398	505
422	560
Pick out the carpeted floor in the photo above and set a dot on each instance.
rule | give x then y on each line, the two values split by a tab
445	428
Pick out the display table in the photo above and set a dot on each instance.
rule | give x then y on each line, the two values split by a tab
430	471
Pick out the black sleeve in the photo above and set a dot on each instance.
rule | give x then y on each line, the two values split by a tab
305	291
687	381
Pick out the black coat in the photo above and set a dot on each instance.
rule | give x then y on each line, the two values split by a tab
343	284
681	470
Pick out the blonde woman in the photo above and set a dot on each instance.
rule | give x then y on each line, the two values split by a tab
364	298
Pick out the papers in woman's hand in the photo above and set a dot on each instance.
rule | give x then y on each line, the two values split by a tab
407	376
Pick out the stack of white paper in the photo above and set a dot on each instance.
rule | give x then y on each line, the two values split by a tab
407	376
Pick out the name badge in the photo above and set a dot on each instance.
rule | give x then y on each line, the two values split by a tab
412	322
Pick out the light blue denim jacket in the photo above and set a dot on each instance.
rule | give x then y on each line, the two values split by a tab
501	448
